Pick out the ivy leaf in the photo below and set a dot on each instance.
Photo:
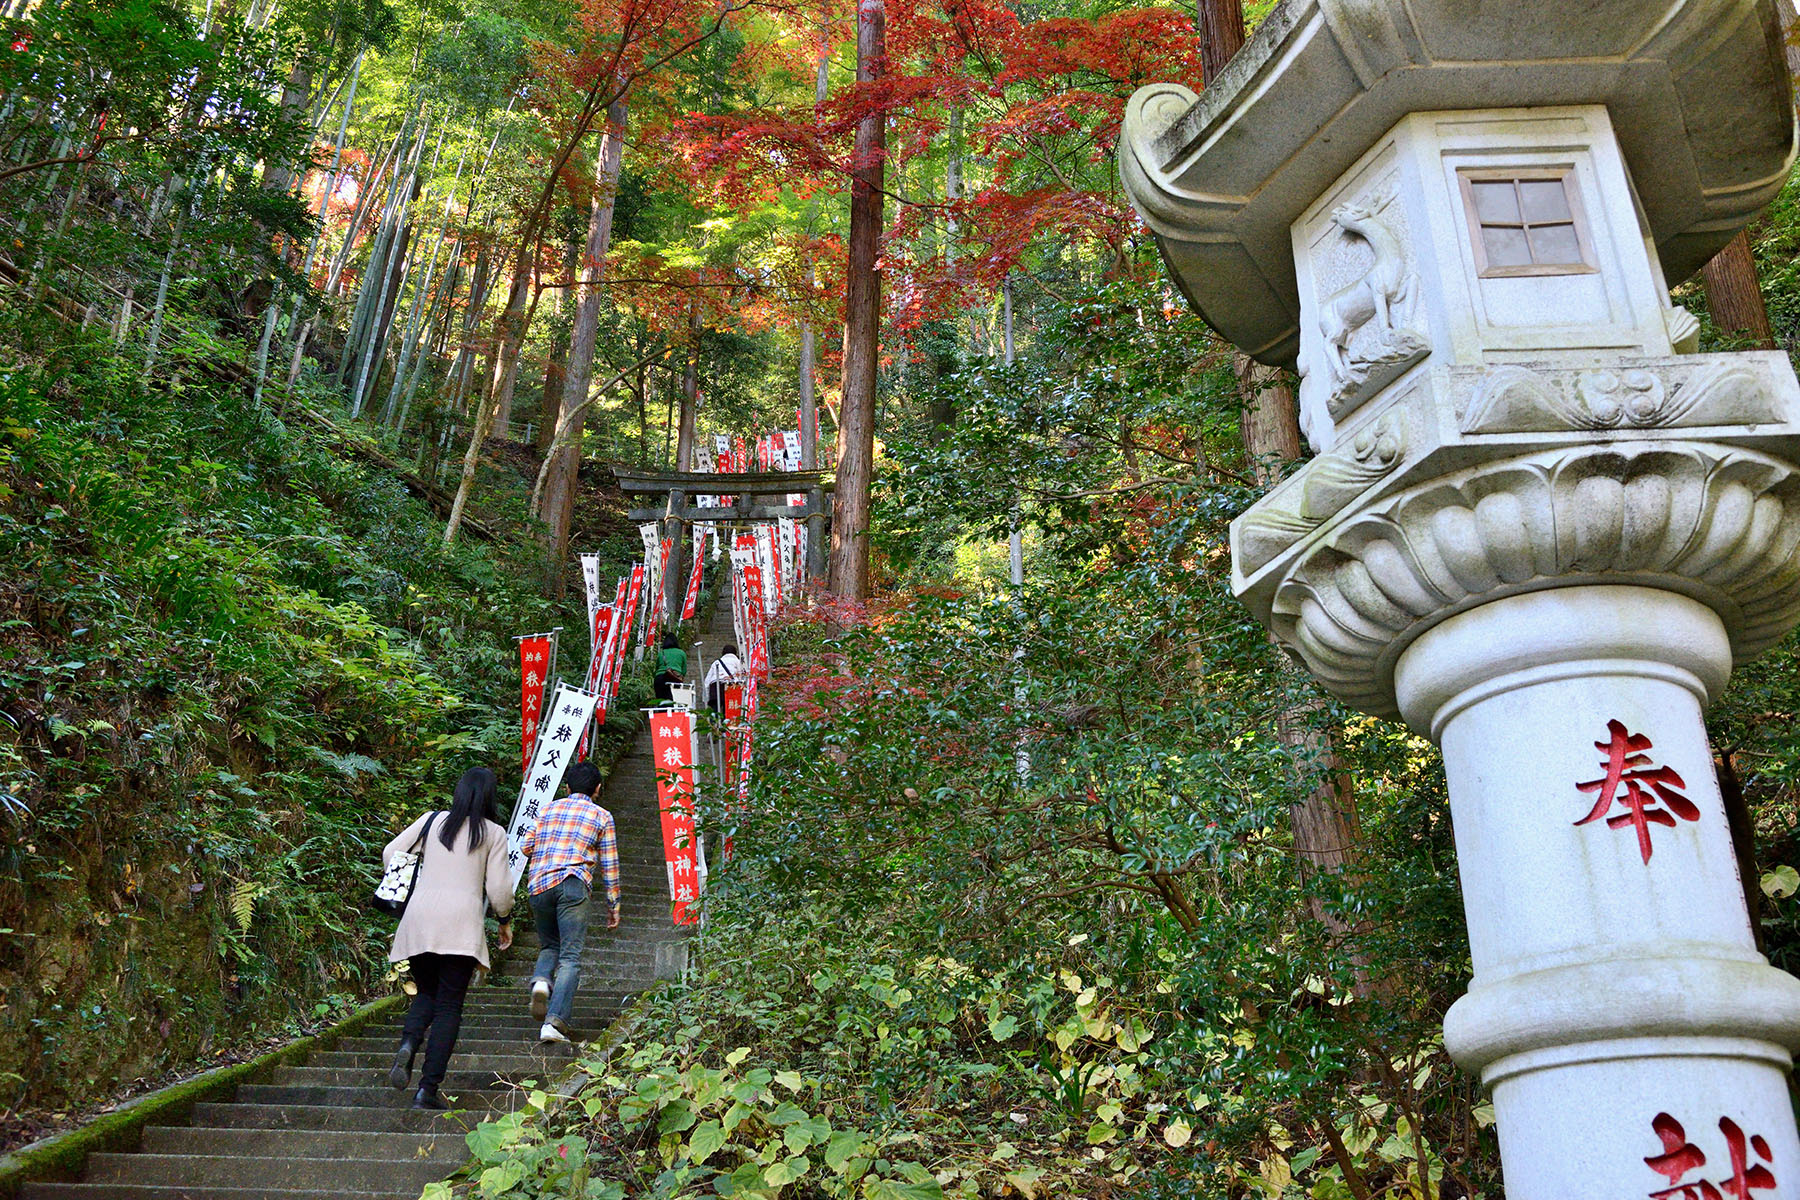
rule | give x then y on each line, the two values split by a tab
1178	1133
786	1113
1781	883
802	1134
496	1181
845	1145
790	1080
894	1189
786	1171
706	1139
1001	1028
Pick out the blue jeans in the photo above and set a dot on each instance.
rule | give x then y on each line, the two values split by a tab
562	920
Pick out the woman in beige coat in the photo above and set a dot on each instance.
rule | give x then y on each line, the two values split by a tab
443	934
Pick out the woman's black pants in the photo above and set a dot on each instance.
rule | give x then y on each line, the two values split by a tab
443	981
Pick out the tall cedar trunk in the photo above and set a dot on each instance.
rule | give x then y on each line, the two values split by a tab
556	363
1732	293
556	374
809	405
390	293
509	333
1322	816
690	394
673	529
862	326
558	505
1221	30
276	176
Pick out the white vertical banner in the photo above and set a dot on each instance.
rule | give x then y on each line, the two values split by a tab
565	717
652	581
770	566
722	447
790	573
590	580
743	554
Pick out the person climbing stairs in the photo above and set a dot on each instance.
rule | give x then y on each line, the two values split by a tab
333	1127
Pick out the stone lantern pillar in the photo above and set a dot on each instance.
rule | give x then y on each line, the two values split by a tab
1538	528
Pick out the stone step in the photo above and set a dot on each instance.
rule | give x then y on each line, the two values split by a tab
524	1032
138	1191
464	1076
442	1148
518	1000
601	1008
331	1117
479	1100
379	1052
233	1170
518	1058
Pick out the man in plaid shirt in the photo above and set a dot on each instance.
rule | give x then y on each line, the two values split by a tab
570	836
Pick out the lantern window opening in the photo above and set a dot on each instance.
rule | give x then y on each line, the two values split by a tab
1526	221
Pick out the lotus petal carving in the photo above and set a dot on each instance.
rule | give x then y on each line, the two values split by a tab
1717	523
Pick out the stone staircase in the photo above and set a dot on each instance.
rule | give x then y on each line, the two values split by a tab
331	1127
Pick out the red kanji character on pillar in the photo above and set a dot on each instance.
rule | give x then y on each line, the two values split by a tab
1680	1156
1627	766
1742	1180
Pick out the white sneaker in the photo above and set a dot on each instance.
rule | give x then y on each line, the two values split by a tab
540	998
550	1033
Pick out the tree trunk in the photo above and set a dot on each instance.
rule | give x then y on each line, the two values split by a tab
690	394
862	326
558	505
556	363
809	406
1220	25
1322	814
276	176
509	335
1732	293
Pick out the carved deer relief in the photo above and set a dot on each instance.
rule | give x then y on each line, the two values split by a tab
1375	297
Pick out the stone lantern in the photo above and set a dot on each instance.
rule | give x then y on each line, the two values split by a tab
1539	528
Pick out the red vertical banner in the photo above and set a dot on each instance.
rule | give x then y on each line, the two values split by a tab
534	672
672	743
659	604
740	460
615	653
688	605
632	596
758	657
605	620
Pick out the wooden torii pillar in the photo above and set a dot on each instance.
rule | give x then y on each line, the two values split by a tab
681	490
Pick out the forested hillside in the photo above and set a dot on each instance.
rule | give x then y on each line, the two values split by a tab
321	325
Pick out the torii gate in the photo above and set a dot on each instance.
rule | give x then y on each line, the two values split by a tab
683	487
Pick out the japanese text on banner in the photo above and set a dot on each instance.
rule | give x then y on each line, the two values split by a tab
564	718
672	744
535	654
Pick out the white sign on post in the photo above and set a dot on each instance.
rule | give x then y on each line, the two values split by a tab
590	580
565	717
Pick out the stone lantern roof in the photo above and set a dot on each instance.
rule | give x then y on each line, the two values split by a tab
1697	90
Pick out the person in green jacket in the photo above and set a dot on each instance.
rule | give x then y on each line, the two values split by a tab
671	667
